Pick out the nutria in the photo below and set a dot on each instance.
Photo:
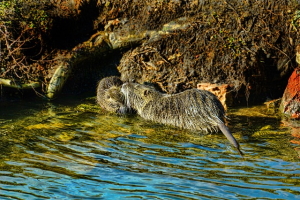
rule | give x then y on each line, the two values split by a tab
109	96
192	109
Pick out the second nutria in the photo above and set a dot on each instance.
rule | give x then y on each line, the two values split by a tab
109	96
192	109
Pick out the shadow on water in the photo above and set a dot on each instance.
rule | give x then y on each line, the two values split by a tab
72	150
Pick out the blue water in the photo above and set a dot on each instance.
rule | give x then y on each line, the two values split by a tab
58	150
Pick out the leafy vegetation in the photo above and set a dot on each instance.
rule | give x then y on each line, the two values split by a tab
22	26
248	44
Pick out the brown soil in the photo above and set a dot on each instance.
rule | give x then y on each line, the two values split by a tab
248	44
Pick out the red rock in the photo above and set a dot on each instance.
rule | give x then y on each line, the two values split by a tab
221	91
290	103
296	132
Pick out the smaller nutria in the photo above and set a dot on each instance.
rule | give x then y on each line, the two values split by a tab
109	96
192	109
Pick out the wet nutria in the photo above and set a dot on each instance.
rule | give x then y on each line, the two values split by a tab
192	109
109	96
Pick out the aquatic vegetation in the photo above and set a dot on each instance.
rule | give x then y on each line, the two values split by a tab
50	150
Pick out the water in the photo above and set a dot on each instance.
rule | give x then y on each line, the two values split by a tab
67	150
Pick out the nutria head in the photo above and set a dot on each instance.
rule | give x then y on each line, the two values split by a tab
138	95
108	82
109	96
113	100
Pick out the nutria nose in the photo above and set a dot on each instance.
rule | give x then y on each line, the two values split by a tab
124	86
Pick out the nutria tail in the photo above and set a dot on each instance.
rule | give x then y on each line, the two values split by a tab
230	137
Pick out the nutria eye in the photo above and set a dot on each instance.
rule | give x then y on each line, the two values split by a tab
113	106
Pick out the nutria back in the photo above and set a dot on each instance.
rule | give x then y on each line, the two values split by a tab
109	96
192	109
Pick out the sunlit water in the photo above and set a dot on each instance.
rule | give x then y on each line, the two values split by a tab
61	150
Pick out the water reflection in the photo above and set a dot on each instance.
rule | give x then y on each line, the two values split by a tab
59	151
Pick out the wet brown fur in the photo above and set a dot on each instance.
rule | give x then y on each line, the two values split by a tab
109	96
192	109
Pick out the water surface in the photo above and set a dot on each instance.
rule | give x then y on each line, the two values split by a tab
65	150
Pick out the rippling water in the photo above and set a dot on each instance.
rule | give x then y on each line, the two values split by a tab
62	150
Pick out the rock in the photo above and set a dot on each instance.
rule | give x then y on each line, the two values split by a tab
290	104
273	105
58	80
221	91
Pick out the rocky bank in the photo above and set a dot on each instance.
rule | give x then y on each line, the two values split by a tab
248	45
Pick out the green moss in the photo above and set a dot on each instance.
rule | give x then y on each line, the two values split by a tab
25	14
87	108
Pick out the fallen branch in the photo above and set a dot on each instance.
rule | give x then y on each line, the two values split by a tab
13	84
